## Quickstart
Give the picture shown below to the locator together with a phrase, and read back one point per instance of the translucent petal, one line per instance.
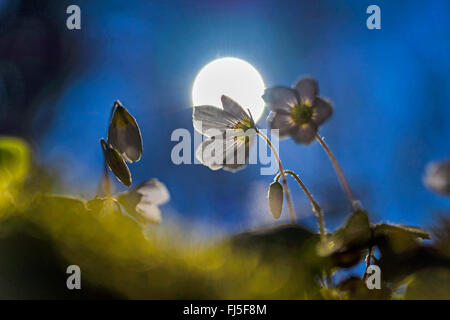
(280, 99)
(234, 108)
(307, 89)
(149, 212)
(282, 122)
(153, 191)
(322, 110)
(305, 133)
(208, 117)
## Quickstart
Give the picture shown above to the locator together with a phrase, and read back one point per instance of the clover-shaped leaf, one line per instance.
(390, 229)
(355, 233)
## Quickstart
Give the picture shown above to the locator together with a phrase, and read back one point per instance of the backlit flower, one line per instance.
(142, 201)
(298, 111)
(230, 131)
(437, 177)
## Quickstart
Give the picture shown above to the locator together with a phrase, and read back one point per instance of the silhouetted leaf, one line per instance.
(388, 229)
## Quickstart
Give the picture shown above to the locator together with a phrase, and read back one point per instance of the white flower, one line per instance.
(230, 131)
(142, 201)
(437, 177)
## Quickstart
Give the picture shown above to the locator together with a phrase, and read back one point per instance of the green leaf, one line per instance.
(390, 229)
(14, 160)
(351, 238)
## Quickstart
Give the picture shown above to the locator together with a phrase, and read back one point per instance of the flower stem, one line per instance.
(283, 177)
(315, 206)
(340, 174)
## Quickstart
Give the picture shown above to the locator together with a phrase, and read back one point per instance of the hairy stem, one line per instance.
(283, 177)
(315, 206)
(340, 174)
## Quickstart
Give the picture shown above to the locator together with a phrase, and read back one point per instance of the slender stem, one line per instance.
(340, 174)
(283, 177)
(106, 183)
(315, 206)
(368, 258)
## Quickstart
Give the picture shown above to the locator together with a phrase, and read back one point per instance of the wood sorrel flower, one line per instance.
(124, 134)
(437, 177)
(142, 201)
(230, 131)
(297, 112)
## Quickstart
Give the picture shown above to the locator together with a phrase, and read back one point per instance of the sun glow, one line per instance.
(233, 77)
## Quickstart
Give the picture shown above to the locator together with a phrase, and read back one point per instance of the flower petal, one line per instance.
(226, 152)
(282, 122)
(307, 89)
(234, 108)
(437, 177)
(208, 117)
(280, 98)
(305, 133)
(149, 212)
(236, 157)
(206, 157)
(322, 110)
(116, 163)
(153, 191)
(124, 134)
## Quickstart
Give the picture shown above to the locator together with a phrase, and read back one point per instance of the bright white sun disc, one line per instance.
(233, 77)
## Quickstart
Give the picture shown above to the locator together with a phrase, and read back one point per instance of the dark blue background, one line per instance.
(389, 87)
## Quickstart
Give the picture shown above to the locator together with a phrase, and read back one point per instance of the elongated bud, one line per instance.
(116, 163)
(275, 196)
(124, 134)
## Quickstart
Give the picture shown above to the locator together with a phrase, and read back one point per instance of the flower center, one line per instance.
(243, 125)
(301, 114)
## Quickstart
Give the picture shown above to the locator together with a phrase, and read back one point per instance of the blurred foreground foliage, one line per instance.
(41, 234)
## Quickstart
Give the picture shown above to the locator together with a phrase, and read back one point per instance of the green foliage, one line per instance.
(14, 161)
(121, 258)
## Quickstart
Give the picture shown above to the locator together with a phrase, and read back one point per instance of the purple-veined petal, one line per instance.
(307, 89)
(322, 110)
(206, 118)
(304, 133)
(280, 98)
(231, 106)
(282, 122)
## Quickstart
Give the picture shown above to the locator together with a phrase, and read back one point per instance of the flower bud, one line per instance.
(116, 163)
(124, 134)
(275, 196)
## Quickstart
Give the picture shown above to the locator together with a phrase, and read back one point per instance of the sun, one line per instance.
(233, 77)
